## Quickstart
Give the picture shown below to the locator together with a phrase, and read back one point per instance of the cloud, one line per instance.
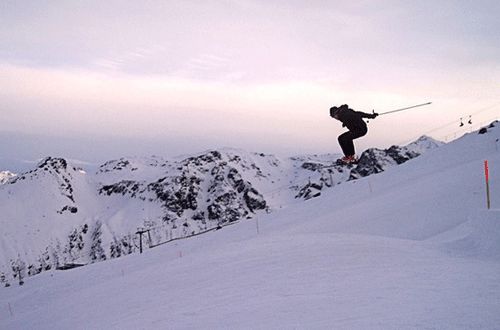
(76, 107)
(247, 68)
(77, 101)
(128, 59)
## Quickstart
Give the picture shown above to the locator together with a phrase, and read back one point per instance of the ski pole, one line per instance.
(402, 109)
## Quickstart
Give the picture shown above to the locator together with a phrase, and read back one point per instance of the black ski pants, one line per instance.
(345, 140)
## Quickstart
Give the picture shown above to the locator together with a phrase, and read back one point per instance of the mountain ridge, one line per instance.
(82, 217)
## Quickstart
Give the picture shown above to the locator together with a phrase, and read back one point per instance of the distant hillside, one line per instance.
(59, 214)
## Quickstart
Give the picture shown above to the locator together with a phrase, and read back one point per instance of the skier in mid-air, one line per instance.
(354, 122)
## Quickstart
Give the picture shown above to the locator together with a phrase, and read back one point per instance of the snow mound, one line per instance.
(479, 237)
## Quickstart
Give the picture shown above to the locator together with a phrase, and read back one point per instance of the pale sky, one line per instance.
(101, 79)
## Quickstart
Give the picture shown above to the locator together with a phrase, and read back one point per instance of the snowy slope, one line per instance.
(410, 248)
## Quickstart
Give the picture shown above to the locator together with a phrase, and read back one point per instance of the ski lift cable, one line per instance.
(454, 122)
(485, 109)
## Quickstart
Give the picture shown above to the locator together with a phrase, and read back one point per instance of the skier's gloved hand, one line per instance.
(374, 115)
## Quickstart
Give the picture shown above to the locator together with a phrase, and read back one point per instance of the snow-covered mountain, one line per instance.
(371, 161)
(59, 214)
(408, 248)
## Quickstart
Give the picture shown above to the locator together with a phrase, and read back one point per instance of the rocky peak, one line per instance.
(377, 160)
(57, 168)
(210, 157)
(56, 164)
(131, 164)
(205, 188)
(371, 161)
(484, 130)
(423, 144)
(5, 176)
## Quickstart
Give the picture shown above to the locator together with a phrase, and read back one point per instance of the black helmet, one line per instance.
(335, 110)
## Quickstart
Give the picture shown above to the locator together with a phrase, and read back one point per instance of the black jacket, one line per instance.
(353, 120)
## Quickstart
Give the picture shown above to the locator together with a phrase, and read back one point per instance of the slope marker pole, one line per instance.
(487, 177)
